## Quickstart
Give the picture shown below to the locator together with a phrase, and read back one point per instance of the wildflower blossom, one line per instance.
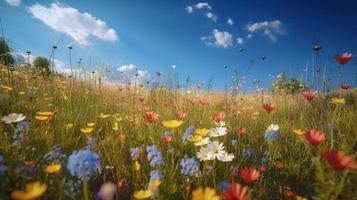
(13, 118)
(204, 154)
(107, 191)
(190, 167)
(236, 191)
(167, 137)
(344, 58)
(216, 149)
(135, 153)
(310, 95)
(339, 161)
(314, 137)
(83, 163)
(271, 133)
(218, 131)
(202, 142)
(298, 132)
(248, 152)
(223, 185)
(249, 175)
(225, 157)
(337, 101)
(172, 124)
(345, 86)
(219, 116)
(188, 134)
(205, 194)
(32, 191)
(154, 156)
(142, 194)
(268, 107)
(3, 168)
(202, 132)
(53, 168)
(241, 131)
(151, 116)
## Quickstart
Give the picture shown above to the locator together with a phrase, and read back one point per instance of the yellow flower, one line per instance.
(116, 126)
(32, 191)
(298, 132)
(202, 132)
(22, 93)
(48, 114)
(118, 119)
(69, 126)
(103, 116)
(300, 198)
(155, 184)
(142, 194)
(53, 168)
(90, 124)
(172, 124)
(41, 118)
(205, 194)
(137, 166)
(7, 89)
(86, 130)
(337, 101)
(196, 138)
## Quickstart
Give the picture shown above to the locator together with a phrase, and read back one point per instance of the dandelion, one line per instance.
(205, 194)
(13, 118)
(32, 191)
(236, 191)
(83, 163)
(268, 107)
(249, 175)
(142, 194)
(107, 191)
(190, 167)
(87, 130)
(339, 161)
(314, 137)
(337, 101)
(51, 169)
(172, 124)
(154, 156)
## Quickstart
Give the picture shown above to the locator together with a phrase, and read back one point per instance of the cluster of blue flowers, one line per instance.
(248, 152)
(3, 168)
(83, 163)
(188, 134)
(135, 153)
(223, 185)
(19, 133)
(190, 167)
(56, 155)
(154, 156)
(271, 135)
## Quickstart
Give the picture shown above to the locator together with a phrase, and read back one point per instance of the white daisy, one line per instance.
(13, 117)
(273, 127)
(203, 142)
(216, 149)
(218, 131)
(204, 154)
(226, 157)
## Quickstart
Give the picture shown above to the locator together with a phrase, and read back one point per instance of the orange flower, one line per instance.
(180, 115)
(236, 192)
(339, 161)
(268, 107)
(241, 131)
(250, 175)
(217, 117)
(314, 137)
(310, 95)
(150, 116)
(344, 58)
(141, 98)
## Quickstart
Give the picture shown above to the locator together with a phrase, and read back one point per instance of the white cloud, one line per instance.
(230, 21)
(269, 28)
(131, 73)
(240, 40)
(203, 5)
(211, 16)
(249, 36)
(79, 26)
(218, 39)
(189, 9)
(13, 2)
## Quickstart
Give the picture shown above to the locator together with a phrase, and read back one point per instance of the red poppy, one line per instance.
(236, 191)
(167, 139)
(180, 115)
(241, 131)
(310, 95)
(345, 86)
(344, 58)
(150, 116)
(268, 107)
(250, 175)
(141, 98)
(217, 117)
(314, 137)
(339, 161)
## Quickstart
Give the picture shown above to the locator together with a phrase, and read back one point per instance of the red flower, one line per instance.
(344, 58)
(241, 131)
(218, 116)
(150, 116)
(180, 115)
(250, 175)
(345, 86)
(141, 98)
(314, 137)
(167, 139)
(236, 191)
(339, 161)
(268, 107)
(309, 95)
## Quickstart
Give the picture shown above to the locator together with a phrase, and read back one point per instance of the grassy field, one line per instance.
(82, 140)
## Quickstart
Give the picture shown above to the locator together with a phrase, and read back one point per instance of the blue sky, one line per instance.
(154, 35)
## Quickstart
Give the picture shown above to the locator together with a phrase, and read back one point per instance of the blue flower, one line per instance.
(154, 156)
(223, 185)
(23, 127)
(248, 152)
(264, 160)
(135, 153)
(188, 134)
(190, 167)
(56, 155)
(83, 163)
(156, 175)
(3, 168)
(271, 135)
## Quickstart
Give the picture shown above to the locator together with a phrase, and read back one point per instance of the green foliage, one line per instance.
(5, 50)
(291, 85)
(42, 64)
